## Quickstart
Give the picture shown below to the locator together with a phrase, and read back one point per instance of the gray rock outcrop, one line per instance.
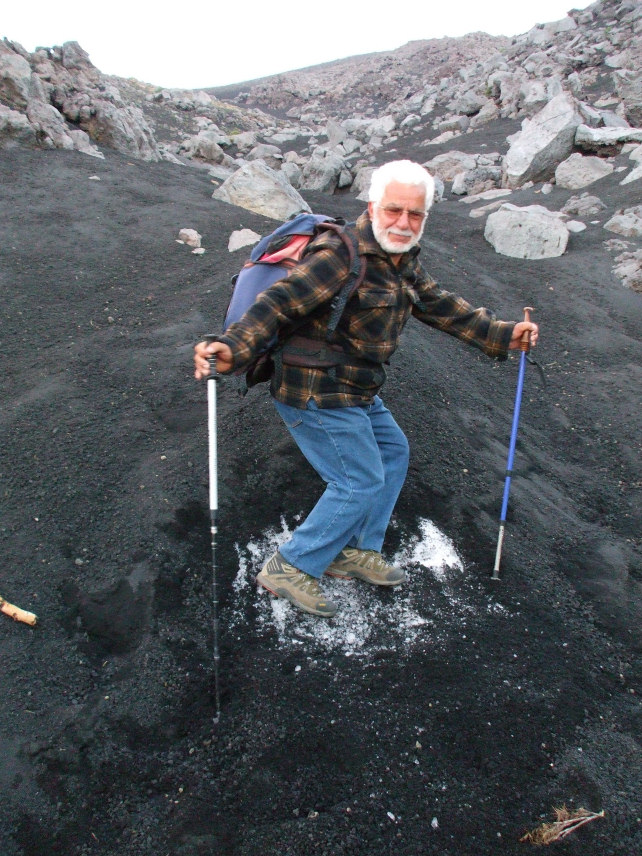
(67, 103)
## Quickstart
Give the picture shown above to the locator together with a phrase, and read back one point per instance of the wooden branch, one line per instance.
(566, 823)
(16, 613)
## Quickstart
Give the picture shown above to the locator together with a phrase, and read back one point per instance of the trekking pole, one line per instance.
(213, 484)
(524, 347)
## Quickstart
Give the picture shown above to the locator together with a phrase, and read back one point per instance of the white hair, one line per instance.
(404, 172)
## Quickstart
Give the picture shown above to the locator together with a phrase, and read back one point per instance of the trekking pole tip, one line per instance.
(498, 552)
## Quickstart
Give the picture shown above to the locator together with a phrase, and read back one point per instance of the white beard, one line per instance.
(381, 234)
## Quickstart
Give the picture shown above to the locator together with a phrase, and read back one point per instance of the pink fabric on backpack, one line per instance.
(292, 250)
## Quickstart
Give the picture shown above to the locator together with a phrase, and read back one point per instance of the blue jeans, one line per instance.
(362, 455)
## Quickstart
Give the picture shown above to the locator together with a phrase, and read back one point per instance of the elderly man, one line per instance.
(336, 417)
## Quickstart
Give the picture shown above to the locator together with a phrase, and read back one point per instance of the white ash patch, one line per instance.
(431, 549)
(370, 619)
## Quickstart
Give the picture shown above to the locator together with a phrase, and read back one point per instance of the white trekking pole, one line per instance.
(213, 485)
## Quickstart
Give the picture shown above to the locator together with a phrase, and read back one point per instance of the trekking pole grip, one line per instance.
(525, 343)
(209, 338)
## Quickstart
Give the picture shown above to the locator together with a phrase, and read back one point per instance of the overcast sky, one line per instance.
(198, 45)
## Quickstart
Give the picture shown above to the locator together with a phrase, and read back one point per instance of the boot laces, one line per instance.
(369, 558)
(301, 580)
(308, 584)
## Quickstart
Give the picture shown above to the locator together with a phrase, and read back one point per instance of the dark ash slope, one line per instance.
(517, 696)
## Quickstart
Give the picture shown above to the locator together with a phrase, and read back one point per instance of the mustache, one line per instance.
(402, 233)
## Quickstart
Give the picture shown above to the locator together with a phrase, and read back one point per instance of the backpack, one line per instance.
(272, 259)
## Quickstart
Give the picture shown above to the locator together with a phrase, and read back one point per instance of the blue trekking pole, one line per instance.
(213, 479)
(524, 347)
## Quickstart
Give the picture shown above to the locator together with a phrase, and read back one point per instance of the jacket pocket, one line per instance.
(375, 319)
(373, 299)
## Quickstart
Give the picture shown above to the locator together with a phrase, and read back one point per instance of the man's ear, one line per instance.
(371, 209)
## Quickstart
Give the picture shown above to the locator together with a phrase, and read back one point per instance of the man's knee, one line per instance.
(370, 484)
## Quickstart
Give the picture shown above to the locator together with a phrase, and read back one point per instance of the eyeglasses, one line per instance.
(395, 211)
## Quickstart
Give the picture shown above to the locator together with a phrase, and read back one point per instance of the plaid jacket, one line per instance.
(370, 326)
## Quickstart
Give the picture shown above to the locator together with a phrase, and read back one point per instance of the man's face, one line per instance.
(398, 220)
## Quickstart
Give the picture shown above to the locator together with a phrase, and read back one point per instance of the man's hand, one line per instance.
(204, 350)
(524, 327)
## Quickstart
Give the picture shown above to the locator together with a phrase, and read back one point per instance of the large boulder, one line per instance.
(73, 57)
(583, 205)
(544, 141)
(335, 133)
(269, 154)
(505, 85)
(634, 175)
(15, 79)
(636, 154)
(609, 137)
(53, 132)
(626, 222)
(477, 180)
(15, 129)
(532, 232)
(322, 171)
(245, 140)
(205, 146)
(449, 164)
(543, 34)
(382, 127)
(579, 171)
(120, 127)
(361, 183)
(629, 87)
(629, 269)
(265, 191)
(82, 143)
(469, 103)
(488, 113)
(292, 171)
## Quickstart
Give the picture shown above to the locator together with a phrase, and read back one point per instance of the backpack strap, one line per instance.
(314, 353)
(356, 274)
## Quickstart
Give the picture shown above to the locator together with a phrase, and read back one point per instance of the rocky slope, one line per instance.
(573, 85)
(447, 84)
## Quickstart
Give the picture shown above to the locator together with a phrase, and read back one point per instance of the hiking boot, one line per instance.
(365, 565)
(302, 590)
